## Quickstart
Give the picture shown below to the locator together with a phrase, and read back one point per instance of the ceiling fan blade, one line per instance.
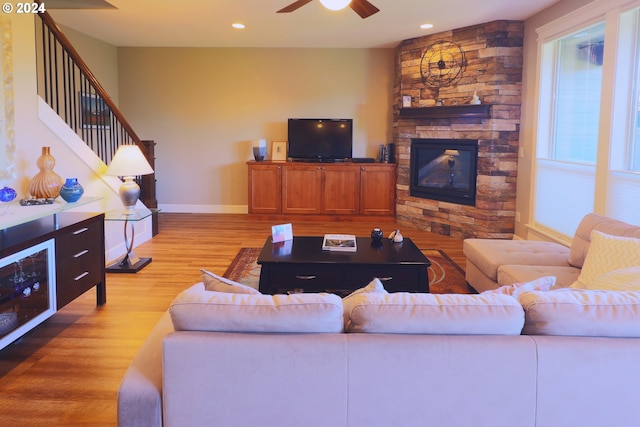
(363, 8)
(293, 6)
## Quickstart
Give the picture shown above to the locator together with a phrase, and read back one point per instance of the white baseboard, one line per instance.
(230, 209)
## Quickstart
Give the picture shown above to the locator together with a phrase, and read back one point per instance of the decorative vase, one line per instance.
(71, 191)
(46, 184)
(259, 149)
(376, 235)
(7, 194)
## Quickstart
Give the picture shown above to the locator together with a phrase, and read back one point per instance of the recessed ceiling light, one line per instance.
(237, 25)
(426, 26)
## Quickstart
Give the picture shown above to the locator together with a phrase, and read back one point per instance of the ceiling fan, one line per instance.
(361, 7)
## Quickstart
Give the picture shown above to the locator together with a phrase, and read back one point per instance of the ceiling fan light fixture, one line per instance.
(335, 4)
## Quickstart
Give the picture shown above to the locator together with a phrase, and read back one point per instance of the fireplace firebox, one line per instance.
(444, 169)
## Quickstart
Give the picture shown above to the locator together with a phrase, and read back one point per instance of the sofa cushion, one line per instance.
(197, 309)
(582, 238)
(565, 275)
(419, 313)
(515, 289)
(213, 282)
(581, 313)
(607, 253)
(489, 254)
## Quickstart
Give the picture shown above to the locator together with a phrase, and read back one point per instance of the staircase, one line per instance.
(67, 85)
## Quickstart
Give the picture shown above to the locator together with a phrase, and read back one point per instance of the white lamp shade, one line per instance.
(335, 4)
(129, 161)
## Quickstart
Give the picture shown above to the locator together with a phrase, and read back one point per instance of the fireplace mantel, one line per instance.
(482, 111)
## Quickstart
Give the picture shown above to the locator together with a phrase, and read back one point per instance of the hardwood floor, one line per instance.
(67, 371)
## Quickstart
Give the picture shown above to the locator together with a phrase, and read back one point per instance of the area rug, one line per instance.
(445, 276)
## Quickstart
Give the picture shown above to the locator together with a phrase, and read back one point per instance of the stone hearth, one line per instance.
(493, 70)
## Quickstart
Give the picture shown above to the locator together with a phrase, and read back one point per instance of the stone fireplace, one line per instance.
(493, 70)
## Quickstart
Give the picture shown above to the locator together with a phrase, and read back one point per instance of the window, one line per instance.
(568, 128)
(588, 131)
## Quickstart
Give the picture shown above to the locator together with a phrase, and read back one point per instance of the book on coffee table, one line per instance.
(339, 243)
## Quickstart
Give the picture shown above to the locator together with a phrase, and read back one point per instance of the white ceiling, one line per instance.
(207, 23)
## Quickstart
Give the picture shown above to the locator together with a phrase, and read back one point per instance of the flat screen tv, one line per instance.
(320, 140)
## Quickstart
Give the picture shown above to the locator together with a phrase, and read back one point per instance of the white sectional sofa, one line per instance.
(379, 359)
(492, 263)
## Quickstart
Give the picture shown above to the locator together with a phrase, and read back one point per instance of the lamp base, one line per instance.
(129, 194)
(127, 265)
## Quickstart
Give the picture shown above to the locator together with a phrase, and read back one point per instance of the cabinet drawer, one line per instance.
(394, 278)
(309, 277)
(78, 273)
(78, 238)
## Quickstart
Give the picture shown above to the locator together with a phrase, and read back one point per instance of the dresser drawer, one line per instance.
(79, 238)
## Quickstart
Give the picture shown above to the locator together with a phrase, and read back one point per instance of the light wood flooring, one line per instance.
(67, 371)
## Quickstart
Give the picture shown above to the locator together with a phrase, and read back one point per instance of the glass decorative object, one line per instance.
(71, 191)
(376, 234)
(46, 183)
(7, 194)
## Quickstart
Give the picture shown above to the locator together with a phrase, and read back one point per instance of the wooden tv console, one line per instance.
(343, 188)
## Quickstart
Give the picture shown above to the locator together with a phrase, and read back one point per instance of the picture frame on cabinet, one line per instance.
(279, 151)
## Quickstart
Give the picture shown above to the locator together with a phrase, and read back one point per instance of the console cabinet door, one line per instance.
(378, 189)
(302, 189)
(265, 188)
(340, 190)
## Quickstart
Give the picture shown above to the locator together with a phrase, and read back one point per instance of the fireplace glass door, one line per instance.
(444, 170)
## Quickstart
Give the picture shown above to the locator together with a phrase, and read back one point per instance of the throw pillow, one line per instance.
(607, 253)
(578, 312)
(623, 279)
(421, 313)
(197, 309)
(213, 282)
(374, 287)
(515, 289)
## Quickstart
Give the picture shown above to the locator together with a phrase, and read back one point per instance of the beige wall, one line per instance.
(100, 57)
(204, 106)
(529, 97)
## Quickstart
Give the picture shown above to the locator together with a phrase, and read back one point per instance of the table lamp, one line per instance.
(128, 163)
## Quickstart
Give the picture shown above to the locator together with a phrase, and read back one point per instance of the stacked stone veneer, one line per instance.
(494, 71)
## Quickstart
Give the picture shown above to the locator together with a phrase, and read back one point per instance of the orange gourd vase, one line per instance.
(46, 184)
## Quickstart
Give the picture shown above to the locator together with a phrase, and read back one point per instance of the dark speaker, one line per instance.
(391, 152)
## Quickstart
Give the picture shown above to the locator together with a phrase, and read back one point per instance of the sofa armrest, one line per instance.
(140, 393)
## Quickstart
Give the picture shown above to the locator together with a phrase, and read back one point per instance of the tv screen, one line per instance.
(320, 139)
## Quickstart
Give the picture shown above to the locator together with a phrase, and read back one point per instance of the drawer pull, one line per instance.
(385, 279)
(306, 277)
(80, 231)
(79, 254)
(86, 273)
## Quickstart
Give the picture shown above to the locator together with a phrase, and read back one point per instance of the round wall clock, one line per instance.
(442, 63)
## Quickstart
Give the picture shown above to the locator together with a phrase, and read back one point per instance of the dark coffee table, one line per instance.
(300, 265)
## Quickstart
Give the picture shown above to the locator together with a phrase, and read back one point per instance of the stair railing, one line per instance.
(69, 87)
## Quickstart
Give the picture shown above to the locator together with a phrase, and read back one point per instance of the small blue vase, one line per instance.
(71, 191)
(7, 194)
